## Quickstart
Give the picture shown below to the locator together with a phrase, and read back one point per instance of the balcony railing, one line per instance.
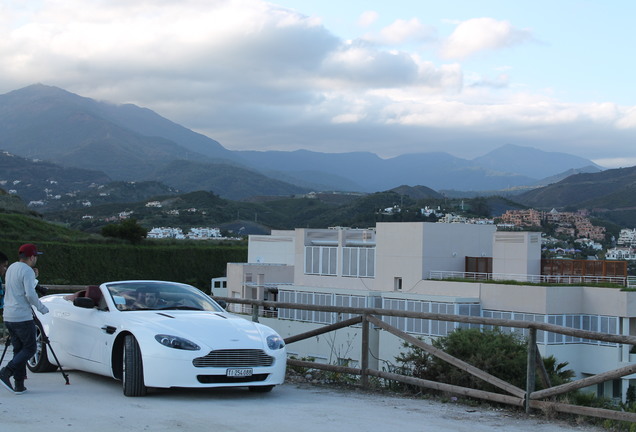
(537, 279)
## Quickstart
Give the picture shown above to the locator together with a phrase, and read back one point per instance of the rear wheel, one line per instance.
(40, 360)
(133, 368)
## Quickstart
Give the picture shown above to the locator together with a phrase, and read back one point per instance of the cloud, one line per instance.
(482, 34)
(360, 65)
(367, 18)
(499, 82)
(616, 162)
(406, 31)
(254, 75)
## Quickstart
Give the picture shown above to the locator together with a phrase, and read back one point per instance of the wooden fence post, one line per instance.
(532, 366)
(364, 358)
(255, 309)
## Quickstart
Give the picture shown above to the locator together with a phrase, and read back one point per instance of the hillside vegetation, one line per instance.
(31, 229)
(609, 195)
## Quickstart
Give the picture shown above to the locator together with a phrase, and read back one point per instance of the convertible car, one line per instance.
(156, 334)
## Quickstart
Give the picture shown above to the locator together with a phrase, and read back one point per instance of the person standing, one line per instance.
(20, 296)
(4, 263)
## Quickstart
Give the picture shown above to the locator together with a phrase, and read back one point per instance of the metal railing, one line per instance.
(538, 279)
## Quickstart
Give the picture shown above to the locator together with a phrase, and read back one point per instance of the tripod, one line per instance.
(45, 342)
(7, 342)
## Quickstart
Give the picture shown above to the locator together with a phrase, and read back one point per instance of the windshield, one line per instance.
(155, 295)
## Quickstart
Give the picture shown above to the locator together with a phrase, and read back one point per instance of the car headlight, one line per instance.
(176, 342)
(275, 342)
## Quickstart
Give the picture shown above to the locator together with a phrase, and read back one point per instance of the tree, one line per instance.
(129, 230)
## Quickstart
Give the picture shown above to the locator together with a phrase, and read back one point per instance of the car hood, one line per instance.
(215, 329)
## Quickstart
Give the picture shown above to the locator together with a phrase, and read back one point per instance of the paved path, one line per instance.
(96, 404)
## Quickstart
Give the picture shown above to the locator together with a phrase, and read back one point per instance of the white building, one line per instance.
(391, 266)
(627, 237)
(204, 233)
(621, 253)
(165, 233)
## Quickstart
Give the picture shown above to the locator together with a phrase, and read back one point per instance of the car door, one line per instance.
(84, 336)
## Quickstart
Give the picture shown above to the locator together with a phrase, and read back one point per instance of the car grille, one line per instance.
(234, 358)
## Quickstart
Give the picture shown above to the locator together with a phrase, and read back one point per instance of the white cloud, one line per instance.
(368, 18)
(628, 119)
(482, 34)
(406, 31)
(255, 75)
(616, 162)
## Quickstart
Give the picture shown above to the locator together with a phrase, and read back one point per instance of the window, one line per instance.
(358, 262)
(321, 260)
(397, 284)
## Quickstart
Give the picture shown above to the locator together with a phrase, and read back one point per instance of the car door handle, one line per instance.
(109, 329)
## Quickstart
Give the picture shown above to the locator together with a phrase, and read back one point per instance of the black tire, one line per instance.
(261, 389)
(132, 376)
(40, 360)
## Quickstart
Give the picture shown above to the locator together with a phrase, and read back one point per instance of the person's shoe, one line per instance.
(19, 387)
(5, 379)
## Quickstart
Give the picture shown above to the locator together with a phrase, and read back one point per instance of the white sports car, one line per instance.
(157, 334)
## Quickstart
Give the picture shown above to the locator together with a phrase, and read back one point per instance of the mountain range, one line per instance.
(131, 143)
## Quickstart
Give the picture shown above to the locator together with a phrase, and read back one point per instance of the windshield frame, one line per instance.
(126, 297)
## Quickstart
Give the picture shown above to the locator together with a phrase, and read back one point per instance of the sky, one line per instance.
(388, 77)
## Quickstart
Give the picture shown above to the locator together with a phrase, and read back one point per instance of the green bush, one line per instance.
(129, 230)
(503, 355)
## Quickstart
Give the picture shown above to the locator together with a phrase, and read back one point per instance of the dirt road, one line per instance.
(96, 403)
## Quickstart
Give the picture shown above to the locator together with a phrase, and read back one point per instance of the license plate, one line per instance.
(238, 373)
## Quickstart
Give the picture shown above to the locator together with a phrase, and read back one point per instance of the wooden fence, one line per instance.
(527, 398)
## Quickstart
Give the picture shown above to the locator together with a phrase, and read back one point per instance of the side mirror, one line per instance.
(222, 303)
(84, 302)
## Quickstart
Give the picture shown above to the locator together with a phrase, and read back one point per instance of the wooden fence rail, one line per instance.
(528, 398)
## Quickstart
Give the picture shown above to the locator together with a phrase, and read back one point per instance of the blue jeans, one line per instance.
(24, 346)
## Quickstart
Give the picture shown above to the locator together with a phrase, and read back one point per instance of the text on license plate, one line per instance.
(239, 372)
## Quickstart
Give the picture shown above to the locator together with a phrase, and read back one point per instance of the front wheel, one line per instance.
(40, 360)
(133, 368)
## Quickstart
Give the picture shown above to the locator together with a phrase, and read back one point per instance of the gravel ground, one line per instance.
(96, 403)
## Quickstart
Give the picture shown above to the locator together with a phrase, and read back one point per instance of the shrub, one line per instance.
(129, 230)
(501, 354)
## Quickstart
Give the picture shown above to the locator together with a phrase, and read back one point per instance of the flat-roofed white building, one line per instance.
(399, 266)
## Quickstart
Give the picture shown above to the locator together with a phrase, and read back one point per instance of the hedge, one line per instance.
(194, 263)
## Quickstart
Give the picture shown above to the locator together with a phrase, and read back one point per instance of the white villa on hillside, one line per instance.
(399, 266)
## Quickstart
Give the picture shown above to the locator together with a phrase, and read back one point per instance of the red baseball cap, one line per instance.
(29, 250)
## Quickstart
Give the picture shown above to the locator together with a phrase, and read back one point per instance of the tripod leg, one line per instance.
(47, 343)
(7, 342)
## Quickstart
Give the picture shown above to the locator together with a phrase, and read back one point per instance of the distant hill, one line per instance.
(611, 189)
(12, 203)
(531, 162)
(131, 143)
(123, 141)
(609, 194)
(35, 180)
(227, 181)
(208, 209)
(371, 173)
(109, 193)
(29, 228)
(417, 192)
(590, 169)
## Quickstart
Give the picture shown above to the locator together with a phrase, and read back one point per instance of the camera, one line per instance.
(42, 290)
